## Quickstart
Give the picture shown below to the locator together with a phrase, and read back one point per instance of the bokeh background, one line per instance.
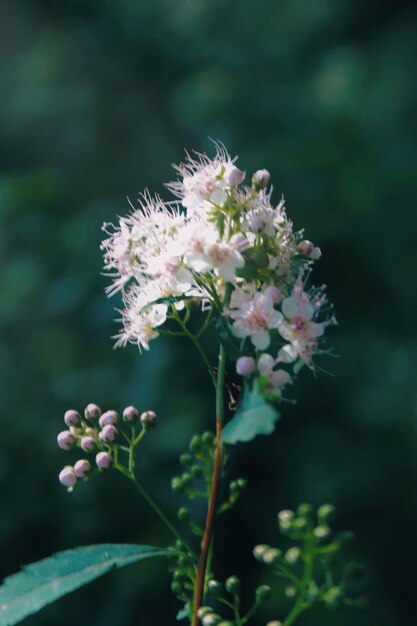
(97, 99)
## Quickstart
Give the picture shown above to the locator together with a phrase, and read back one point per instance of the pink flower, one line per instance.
(254, 315)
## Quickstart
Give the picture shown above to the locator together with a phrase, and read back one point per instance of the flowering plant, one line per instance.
(222, 252)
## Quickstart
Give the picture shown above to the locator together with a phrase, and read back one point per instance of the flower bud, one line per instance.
(89, 432)
(184, 514)
(65, 440)
(103, 460)
(68, 477)
(87, 444)
(195, 444)
(305, 510)
(275, 622)
(214, 587)
(262, 594)
(285, 518)
(273, 293)
(235, 176)
(271, 556)
(196, 471)
(211, 619)
(321, 532)
(108, 418)
(108, 433)
(176, 587)
(259, 551)
(92, 411)
(261, 178)
(204, 610)
(176, 484)
(292, 555)
(186, 459)
(226, 623)
(290, 591)
(207, 439)
(232, 584)
(130, 413)
(325, 513)
(71, 418)
(245, 365)
(82, 467)
(256, 223)
(309, 250)
(148, 419)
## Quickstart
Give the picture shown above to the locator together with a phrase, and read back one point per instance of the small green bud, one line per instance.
(275, 622)
(242, 482)
(271, 556)
(179, 545)
(262, 594)
(332, 597)
(305, 510)
(195, 444)
(290, 591)
(204, 610)
(321, 532)
(214, 587)
(184, 514)
(208, 439)
(325, 514)
(285, 519)
(226, 623)
(176, 484)
(178, 575)
(186, 479)
(292, 555)
(183, 561)
(259, 551)
(176, 587)
(233, 584)
(196, 471)
(300, 524)
(211, 619)
(186, 459)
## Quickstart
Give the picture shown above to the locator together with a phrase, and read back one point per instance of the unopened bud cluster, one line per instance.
(315, 550)
(96, 433)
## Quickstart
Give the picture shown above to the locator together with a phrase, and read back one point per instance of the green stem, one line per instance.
(301, 604)
(197, 344)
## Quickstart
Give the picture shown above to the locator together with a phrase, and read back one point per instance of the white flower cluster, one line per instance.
(226, 245)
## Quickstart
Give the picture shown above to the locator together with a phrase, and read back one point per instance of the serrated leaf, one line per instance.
(254, 416)
(43, 582)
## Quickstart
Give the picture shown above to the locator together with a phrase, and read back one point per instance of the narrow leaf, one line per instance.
(254, 416)
(43, 582)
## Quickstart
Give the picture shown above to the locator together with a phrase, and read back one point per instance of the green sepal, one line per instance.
(254, 416)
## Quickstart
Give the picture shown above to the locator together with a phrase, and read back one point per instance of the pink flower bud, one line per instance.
(87, 444)
(273, 293)
(71, 418)
(308, 249)
(89, 432)
(109, 417)
(256, 223)
(108, 433)
(92, 411)
(245, 366)
(103, 460)
(235, 176)
(261, 178)
(130, 413)
(65, 440)
(81, 468)
(68, 477)
(148, 419)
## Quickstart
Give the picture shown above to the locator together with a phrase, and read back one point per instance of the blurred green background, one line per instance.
(97, 99)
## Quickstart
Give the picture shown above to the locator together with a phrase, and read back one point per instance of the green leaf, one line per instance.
(254, 416)
(45, 581)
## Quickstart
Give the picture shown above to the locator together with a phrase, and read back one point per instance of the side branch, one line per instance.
(208, 531)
